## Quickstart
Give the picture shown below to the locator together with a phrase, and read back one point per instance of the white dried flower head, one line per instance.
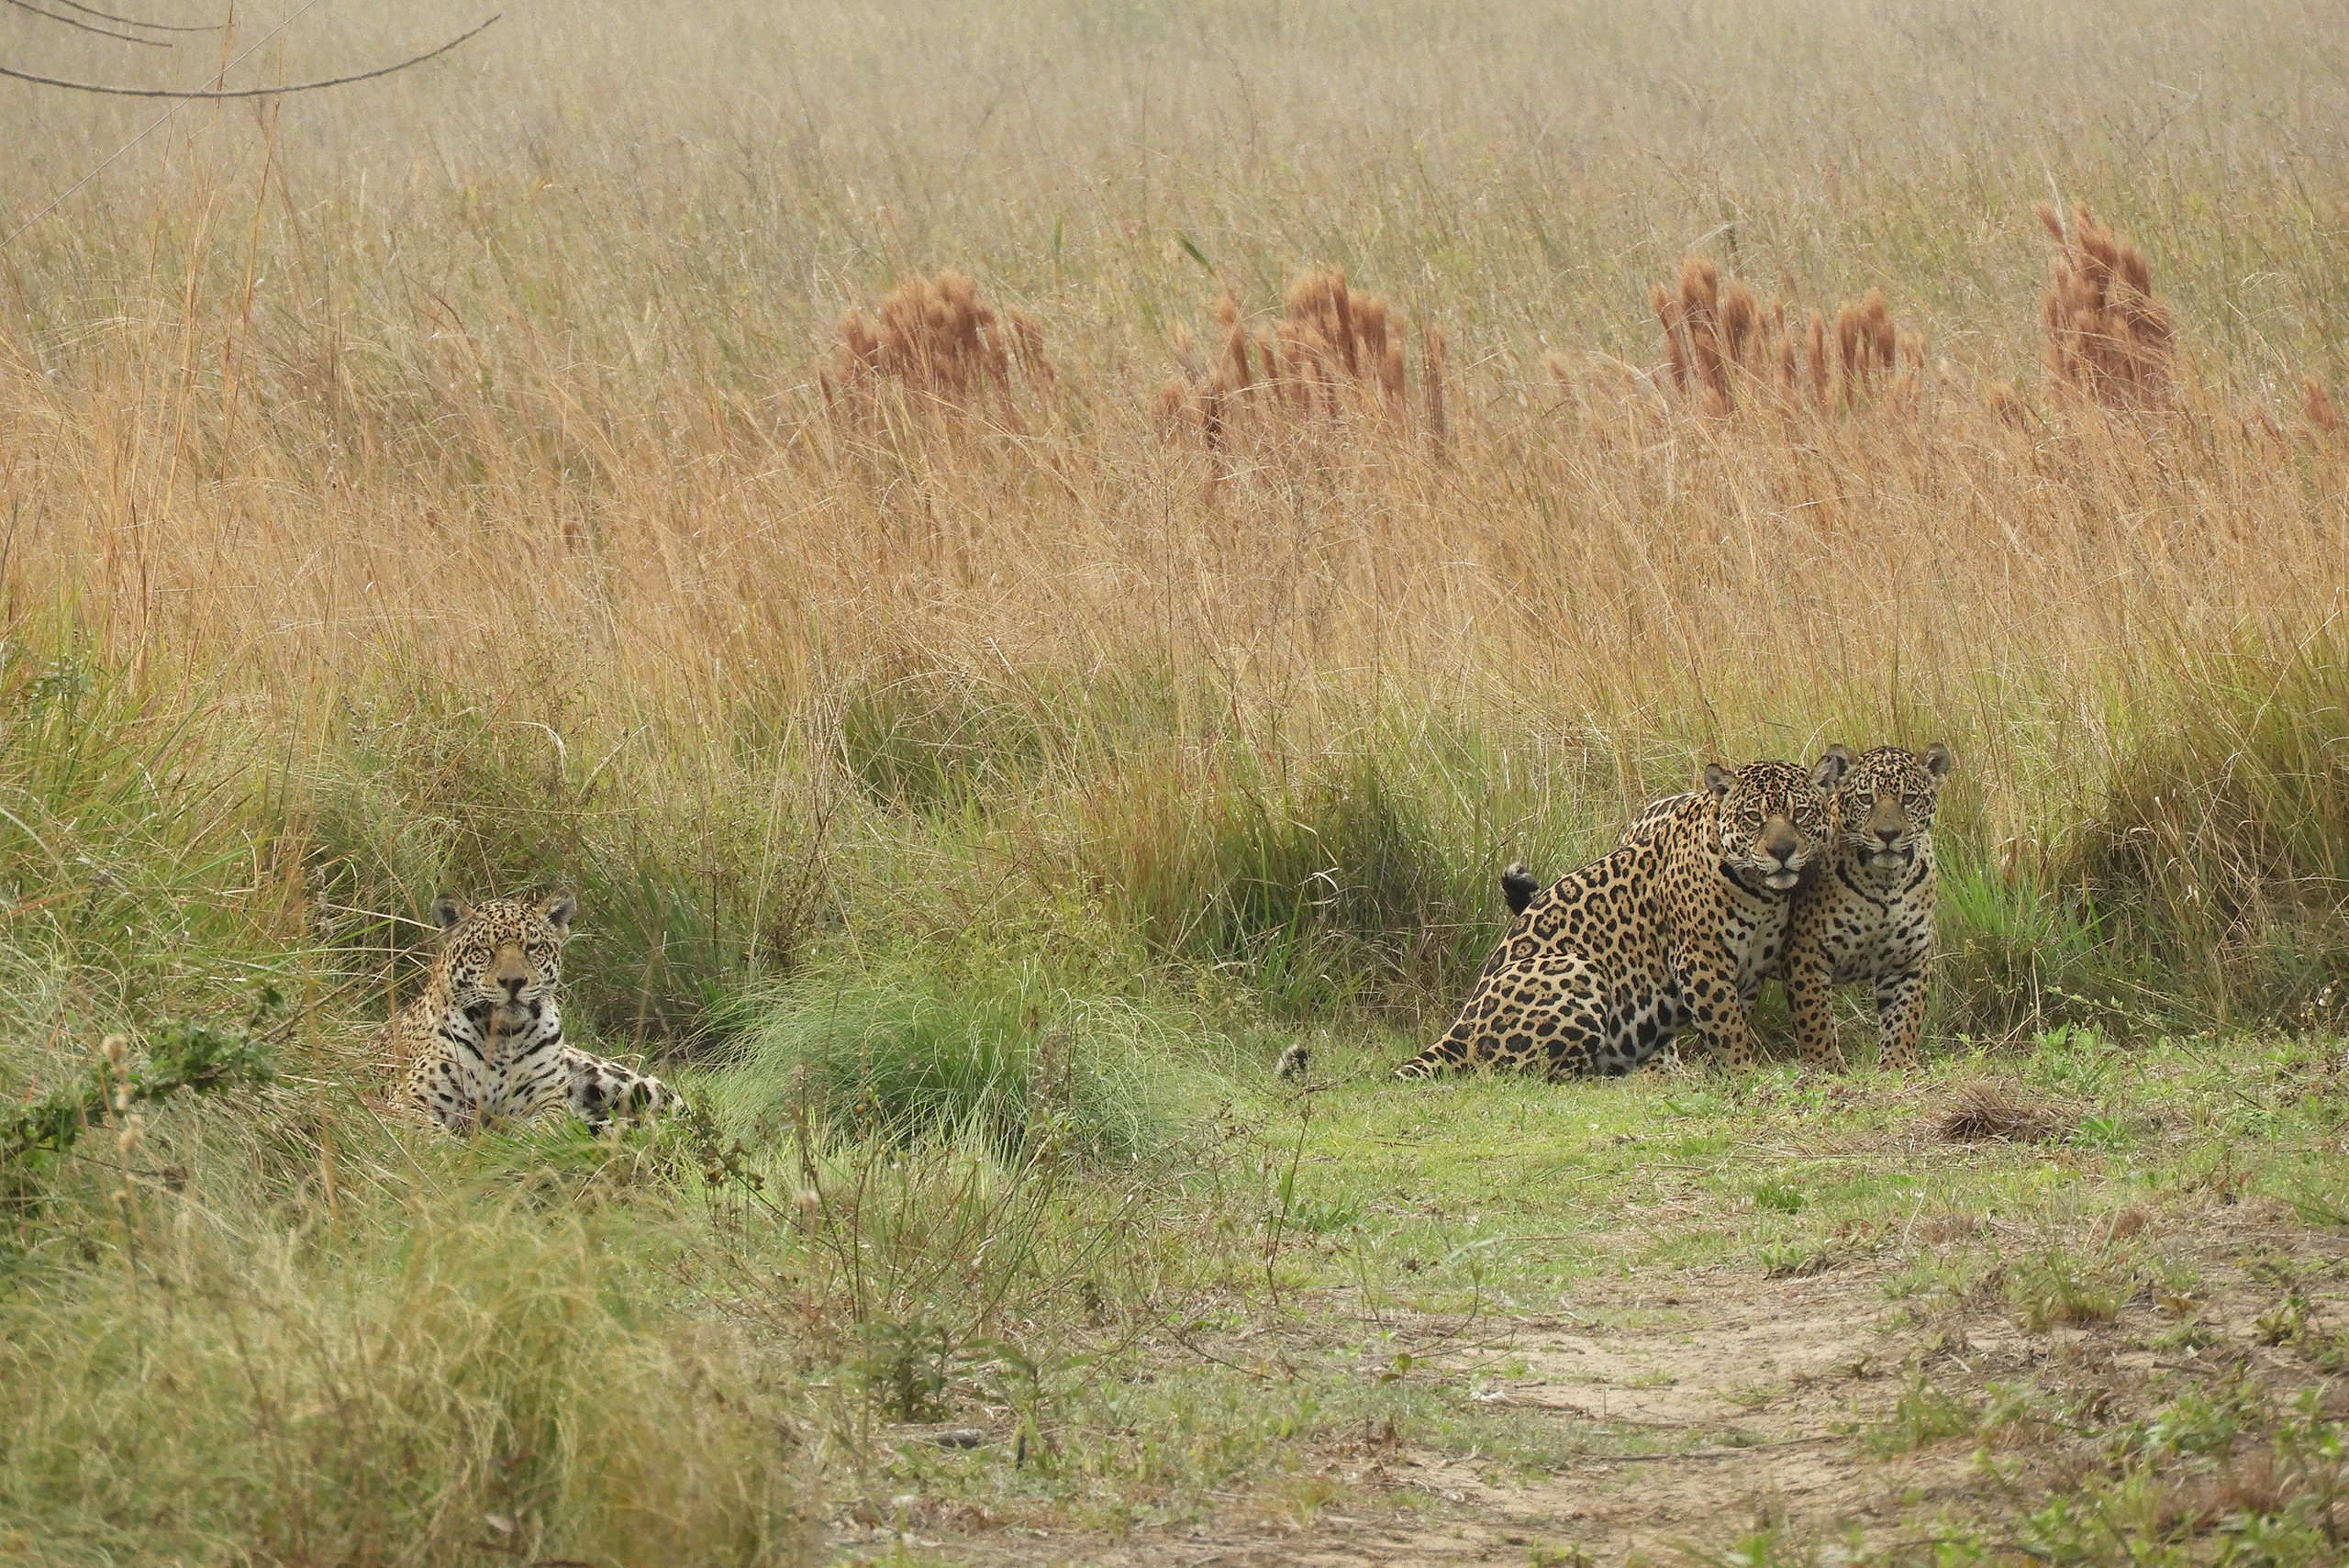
(134, 1131)
(115, 1049)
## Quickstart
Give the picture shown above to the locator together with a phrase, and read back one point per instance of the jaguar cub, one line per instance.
(1868, 917)
(1602, 970)
(484, 1043)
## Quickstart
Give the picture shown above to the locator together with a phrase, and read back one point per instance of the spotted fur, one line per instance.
(1604, 968)
(1868, 917)
(484, 1043)
(1758, 950)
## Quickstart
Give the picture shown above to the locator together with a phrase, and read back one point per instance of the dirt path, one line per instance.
(1723, 1403)
(1748, 1392)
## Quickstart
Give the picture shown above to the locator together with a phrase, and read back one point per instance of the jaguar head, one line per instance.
(502, 959)
(1885, 804)
(1775, 819)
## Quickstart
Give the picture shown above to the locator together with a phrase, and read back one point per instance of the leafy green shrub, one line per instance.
(197, 1057)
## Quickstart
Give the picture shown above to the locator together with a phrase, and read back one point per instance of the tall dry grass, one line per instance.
(465, 438)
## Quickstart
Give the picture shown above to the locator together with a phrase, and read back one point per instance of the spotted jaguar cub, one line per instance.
(484, 1043)
(1868, 917)
(1605, 967)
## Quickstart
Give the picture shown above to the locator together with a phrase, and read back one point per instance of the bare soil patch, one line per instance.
(1715, 1403)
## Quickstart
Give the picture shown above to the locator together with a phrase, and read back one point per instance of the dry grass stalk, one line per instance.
(1725, 348)
(1989, 1112)
(1332, 352)
(2319, 404)
(1438, 358)
(2007, 404)
(942, 343)
(2108, 337)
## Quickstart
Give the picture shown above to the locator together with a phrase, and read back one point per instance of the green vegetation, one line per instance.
(985, 739)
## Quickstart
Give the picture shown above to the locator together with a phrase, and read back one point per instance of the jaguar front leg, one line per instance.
(1900, 1019)
(1810, 985)
(1716, 1009)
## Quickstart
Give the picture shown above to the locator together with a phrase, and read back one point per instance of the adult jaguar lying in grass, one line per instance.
(484, 1043)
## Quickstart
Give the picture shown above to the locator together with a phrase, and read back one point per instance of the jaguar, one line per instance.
(483, 1043)
(1605, 967)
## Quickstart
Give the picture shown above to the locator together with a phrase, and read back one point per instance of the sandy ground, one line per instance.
(1749, 1399)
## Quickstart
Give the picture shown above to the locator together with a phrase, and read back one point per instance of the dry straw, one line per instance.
(1331, 355)
(2318, 404)
(1724, 347)
(1988, 1112)
(942, 344)
(2107, 337)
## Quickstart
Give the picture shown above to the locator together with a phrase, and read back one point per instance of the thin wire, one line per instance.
(132, 21)
(14, 233)
(275, 90)
(102, 32)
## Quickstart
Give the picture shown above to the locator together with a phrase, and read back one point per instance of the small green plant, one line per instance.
(1798, 1259)
(190, 1057)
(1778, 1198)
(2103, 1132)
(1922, 1415)
(2284, 1323)
(908, 1366)
(1772, 1547)
(2055, 1289)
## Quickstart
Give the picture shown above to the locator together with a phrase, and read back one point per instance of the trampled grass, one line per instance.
(1022, 560)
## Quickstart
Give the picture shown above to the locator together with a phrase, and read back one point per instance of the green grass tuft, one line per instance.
(998, 1051)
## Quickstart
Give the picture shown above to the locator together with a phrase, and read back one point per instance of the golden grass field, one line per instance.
(510, 474)
(301, 391)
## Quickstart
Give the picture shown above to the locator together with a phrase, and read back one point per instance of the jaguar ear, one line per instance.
(1937, 760)
(1718, 779)
(559, 910)
(447, 911)
(1833, 766)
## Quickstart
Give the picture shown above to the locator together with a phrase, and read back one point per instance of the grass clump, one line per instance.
(937, 741)
(1329, 889)
(2107, 337)
(452, 1370)
(2222, 845)
(998, 1051)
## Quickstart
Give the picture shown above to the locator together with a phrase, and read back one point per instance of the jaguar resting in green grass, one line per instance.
(484, 1043)
(1606, 966)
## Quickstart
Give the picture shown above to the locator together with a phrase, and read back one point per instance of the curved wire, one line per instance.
(270, 92)
(102, 32)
